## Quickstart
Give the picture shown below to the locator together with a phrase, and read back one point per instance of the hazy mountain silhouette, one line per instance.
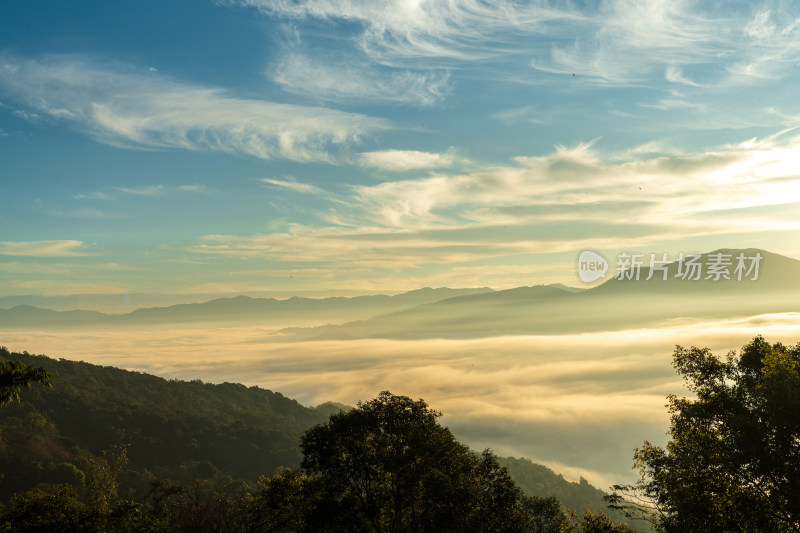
(239, 309)
(775, 273)
(618, 303)
(29, 316)
(615, 304)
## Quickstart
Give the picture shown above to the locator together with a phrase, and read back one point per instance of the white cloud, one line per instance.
(336, 80)
(621, 41)
(97, 195)
(402, 160)
(295, 186)
(145, 190)
(573, 198)
(771, 48)
(63, 248)
(133, 110)
(676, 75)
(408, 30)
(759, 172)
(528, 113)
(195, 188)
(400, 51)
(85, 213)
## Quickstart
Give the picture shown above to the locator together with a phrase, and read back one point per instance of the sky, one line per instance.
(342, 146)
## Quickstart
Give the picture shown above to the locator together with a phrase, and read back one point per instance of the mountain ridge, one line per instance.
(614, 305)
(237, 308)
(474, 312)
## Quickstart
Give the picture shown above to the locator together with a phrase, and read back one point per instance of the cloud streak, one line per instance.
(403, 160)
(303, 188)
(63, 248)
(334, 80)
(145, 190)
(129, 109)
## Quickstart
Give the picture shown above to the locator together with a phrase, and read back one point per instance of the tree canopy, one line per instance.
(389, 466)
(733, 461)
(15, 376)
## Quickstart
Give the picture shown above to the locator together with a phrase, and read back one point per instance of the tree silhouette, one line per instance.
(14, 376)
(388, 466)
(733, 463)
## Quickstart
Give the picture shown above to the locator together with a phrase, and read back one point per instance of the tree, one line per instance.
(37, 511)
(591, 522)
(733, 461)
(546, 515)
(388, 466)
(14, 377)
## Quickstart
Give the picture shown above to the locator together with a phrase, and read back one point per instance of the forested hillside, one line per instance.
(538, 480)
(175, 430)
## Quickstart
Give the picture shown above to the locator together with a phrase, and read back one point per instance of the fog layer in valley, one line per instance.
(578, 403)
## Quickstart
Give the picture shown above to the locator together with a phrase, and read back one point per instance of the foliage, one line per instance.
(388, 466)
(175, 430)
(38, 511)
(591, 522)
(178, 508)
(733, 463)
(545, 515)
(15, 376)
(290, 501)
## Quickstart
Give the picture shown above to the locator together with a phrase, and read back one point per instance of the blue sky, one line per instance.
(327, 146)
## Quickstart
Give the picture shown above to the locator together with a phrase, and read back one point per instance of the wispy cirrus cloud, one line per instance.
(131, 109)
(296, 186)
(393, 32)
(96, 195)
(614, 42)
(61, 248)
(335, 80)
(402, 160)
(144, 190)
(194, 188)
(676, 75)
(86, 213)
(399, 52)
(630, 42)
